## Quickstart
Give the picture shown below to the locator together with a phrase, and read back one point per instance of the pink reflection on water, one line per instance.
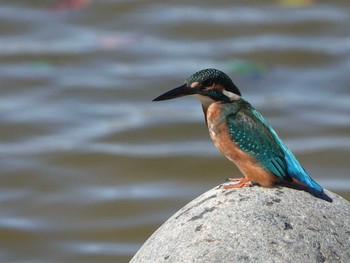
(71, 5)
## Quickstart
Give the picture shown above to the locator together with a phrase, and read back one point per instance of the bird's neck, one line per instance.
(206, 104)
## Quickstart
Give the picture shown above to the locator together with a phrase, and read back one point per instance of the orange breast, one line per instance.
(222, 140)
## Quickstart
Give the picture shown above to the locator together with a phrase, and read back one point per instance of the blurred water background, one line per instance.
(90, 167)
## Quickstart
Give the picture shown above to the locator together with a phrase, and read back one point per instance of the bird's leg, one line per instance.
(238, 183)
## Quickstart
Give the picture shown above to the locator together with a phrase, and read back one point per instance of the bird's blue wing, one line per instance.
(253, 136)
(251, 132)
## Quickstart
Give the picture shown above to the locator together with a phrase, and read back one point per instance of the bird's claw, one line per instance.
(236, 183)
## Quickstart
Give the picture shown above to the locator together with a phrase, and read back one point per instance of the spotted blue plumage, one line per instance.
(253, 135)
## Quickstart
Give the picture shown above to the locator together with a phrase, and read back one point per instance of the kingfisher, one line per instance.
(243, 135)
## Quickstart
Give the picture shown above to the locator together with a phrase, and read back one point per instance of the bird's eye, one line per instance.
(207, 83)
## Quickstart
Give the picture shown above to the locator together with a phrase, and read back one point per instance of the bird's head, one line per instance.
(209, 85)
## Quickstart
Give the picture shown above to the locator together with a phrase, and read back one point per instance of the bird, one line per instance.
(243, 135)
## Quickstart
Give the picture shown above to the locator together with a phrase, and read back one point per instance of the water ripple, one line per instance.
(102, 248)
(241, 15)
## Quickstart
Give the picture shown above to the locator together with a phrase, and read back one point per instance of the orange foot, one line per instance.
(238, 183)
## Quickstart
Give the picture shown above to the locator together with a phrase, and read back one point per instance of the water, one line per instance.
(90, 167)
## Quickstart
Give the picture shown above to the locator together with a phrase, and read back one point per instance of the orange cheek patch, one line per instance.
(214, 86)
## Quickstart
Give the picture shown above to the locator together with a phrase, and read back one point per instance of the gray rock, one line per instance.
(253, 225)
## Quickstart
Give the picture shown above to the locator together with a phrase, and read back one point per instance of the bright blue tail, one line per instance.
(296, 171)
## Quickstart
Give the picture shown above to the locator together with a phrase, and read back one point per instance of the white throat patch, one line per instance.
(206, 101)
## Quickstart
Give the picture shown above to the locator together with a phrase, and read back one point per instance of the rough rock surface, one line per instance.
(253, 225)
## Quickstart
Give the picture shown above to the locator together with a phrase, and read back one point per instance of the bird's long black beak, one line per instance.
(175, 93)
